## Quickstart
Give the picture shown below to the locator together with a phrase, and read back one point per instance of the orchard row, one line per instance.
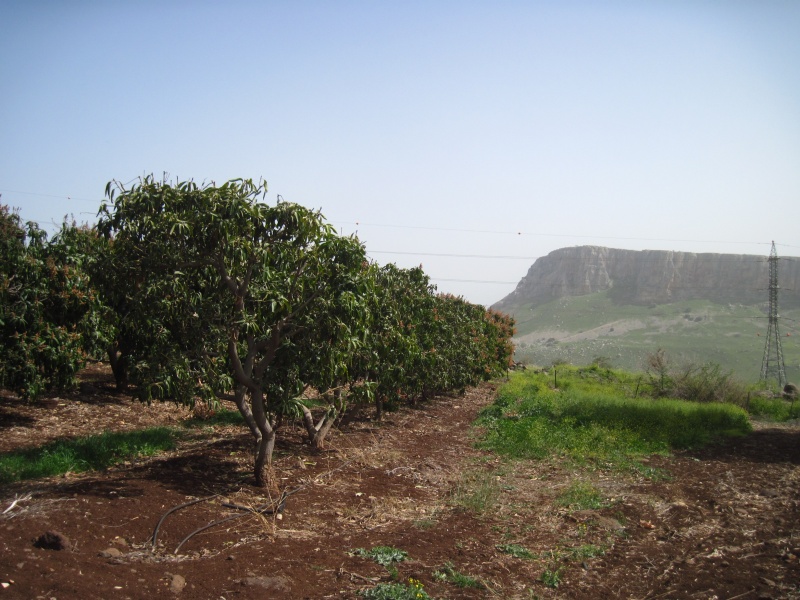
(198, 293)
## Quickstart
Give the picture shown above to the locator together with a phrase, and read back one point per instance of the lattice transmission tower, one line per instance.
(772, 366)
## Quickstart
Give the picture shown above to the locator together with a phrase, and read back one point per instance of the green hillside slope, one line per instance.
(578, 329)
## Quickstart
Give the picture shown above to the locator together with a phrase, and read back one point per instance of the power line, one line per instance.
(61, 197)
(723, 257)
(539, 234)
(473, 281)
(451, 255)
(458, 230)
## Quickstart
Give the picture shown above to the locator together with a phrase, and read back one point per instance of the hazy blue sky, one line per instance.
(469, 129)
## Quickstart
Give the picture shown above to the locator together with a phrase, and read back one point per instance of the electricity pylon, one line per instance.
(772, 366)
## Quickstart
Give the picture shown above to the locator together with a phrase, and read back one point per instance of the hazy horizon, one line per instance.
(467, 137)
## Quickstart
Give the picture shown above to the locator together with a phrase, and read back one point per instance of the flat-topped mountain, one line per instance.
(645, 277)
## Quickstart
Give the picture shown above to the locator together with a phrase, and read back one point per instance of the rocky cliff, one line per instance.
(654, 277)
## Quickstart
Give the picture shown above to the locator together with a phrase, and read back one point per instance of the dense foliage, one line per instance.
(48, 306)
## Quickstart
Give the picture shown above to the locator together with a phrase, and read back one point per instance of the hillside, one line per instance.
(653, 277)
(580, 303)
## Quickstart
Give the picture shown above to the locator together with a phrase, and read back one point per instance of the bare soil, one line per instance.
(723, 525)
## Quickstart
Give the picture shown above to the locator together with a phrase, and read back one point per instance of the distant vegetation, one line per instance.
(579, 328)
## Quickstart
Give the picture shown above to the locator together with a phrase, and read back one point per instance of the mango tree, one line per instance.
(230, 294)
(48, 308)
(403, 299)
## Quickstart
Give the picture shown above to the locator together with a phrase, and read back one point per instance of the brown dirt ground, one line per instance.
(724, 525)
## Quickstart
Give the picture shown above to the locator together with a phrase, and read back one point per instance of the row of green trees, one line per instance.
(199, 293)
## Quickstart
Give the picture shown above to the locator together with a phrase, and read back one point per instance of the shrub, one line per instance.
(698, 383)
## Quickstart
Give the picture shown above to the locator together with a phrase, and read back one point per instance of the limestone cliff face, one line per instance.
(654, 277)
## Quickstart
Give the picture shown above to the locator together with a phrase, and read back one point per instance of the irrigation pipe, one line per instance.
(154, 537)
(261, 510)
(264, 509)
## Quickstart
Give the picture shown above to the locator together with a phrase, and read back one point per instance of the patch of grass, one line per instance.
(774, 409)
(449, 574)
(583, 552)
(426, 522)
(595, 422)
(515, 550)
(586, 551)
(581, 495)
(414, 590)
(476, 491)
(84, 453)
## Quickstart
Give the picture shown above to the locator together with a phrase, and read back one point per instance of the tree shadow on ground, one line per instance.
(776, 445)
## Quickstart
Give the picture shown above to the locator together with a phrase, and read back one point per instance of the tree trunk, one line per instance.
(240, 399)
(264, 473)
(317, 432)
(117, 361)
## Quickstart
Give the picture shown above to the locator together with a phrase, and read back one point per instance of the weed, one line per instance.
(383, 555)
(586, 551)
(476, 491)
(425, 523)
(448, 573)
(515, 550)
(551, 578)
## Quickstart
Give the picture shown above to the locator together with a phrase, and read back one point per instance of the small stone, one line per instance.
(111, 553)
(177, 584)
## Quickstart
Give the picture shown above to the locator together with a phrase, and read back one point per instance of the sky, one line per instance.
(468, 137)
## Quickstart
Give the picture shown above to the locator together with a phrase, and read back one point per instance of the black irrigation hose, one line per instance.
(261, 510)
(154, 537)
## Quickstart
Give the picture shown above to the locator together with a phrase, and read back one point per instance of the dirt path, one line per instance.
(724, 525)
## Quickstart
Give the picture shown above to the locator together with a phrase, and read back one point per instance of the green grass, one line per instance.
(593, 421)
(84, 453)
(101, 451)
(774, 409)
(581, 495)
